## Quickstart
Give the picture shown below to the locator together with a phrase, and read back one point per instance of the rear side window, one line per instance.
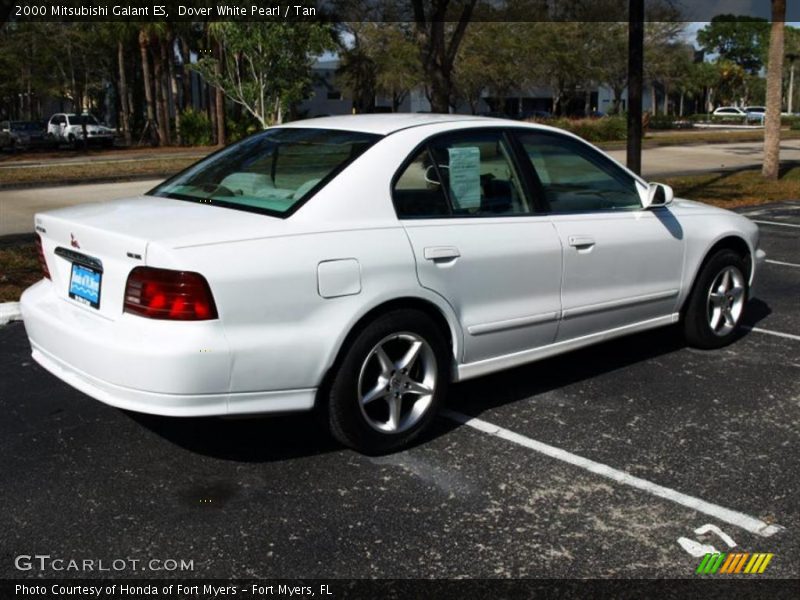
(469, 174)
(418, 191)
(273, 172)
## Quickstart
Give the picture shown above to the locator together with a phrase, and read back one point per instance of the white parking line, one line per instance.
(780, 262)
(738, 519)
(789, 336)
(776, 223)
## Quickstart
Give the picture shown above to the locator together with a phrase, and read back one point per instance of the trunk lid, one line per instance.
(90, 249)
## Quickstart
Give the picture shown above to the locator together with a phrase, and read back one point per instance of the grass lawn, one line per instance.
(656, 139)
(738, 188)
(19, 268)
(95, 171)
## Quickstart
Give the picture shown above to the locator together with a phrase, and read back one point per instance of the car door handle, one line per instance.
(581, 241)
(441, 253)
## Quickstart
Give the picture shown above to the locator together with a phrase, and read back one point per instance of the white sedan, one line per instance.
(357, 265)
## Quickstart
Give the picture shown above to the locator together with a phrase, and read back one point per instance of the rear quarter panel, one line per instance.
(282, 333)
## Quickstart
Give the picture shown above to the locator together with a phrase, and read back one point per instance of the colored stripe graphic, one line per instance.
(737, 562)
(710, 563)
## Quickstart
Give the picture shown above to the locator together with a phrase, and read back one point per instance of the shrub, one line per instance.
(670, 122)
(790, 121)
(605, 129)
(729, 119)
(195, 128)
(238, 129)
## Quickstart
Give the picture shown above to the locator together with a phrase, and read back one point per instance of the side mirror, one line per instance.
(658, 194)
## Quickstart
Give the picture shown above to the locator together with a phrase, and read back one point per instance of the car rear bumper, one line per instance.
(156, 367)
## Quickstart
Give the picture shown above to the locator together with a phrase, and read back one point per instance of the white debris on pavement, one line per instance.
(9, 311)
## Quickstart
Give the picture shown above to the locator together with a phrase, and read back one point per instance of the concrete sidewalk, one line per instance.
(17, 207)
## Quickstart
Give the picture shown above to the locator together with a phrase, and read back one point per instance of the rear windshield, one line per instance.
(271, 172)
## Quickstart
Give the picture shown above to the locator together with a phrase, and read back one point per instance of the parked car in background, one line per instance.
(755, 113)
(22, 135)
(733, 112)
(357, 265)
(67, 128)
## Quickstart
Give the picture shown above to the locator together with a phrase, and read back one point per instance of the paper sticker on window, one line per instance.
(465, 177)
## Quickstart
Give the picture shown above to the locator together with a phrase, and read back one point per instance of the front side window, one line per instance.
(576, 178)
(470, 174)
(272, 172)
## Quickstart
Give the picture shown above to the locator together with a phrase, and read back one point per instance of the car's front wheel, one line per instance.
(716, 305)
(389, 384)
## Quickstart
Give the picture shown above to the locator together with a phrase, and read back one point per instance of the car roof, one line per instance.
(386, 123)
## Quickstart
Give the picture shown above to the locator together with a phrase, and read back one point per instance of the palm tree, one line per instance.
(216, 39)
(772, 121)
(147, 79)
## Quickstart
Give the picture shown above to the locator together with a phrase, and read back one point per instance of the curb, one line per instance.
(9, 311)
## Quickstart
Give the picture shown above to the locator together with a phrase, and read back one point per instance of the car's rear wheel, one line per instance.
(389, 384)
(716, 305)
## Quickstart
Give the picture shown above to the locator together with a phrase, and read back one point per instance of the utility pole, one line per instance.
(635, 84)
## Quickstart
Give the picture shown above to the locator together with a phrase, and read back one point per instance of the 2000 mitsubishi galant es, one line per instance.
(357, 265)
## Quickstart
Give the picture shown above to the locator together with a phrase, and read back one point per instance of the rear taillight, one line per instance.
(42, 260)
(171, 295)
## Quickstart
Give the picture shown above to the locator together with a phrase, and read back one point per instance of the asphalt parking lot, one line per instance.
(592, 464)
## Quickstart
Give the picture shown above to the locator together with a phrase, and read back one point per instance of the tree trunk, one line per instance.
(219, 103)
(124, 116)
(159, 123)
(772, 120)
(680, 109)
(162, 92)
(440, 92)
(187, 76)
(147, 81)
(175, 106)
(211, 111)
(653, 100)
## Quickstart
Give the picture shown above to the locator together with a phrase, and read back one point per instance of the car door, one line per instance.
(622, 264)
(477, 243)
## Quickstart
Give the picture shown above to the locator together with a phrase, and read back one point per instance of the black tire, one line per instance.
(355, 426)
(697, 326)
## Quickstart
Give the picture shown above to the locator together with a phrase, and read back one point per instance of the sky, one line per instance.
(702, 10)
